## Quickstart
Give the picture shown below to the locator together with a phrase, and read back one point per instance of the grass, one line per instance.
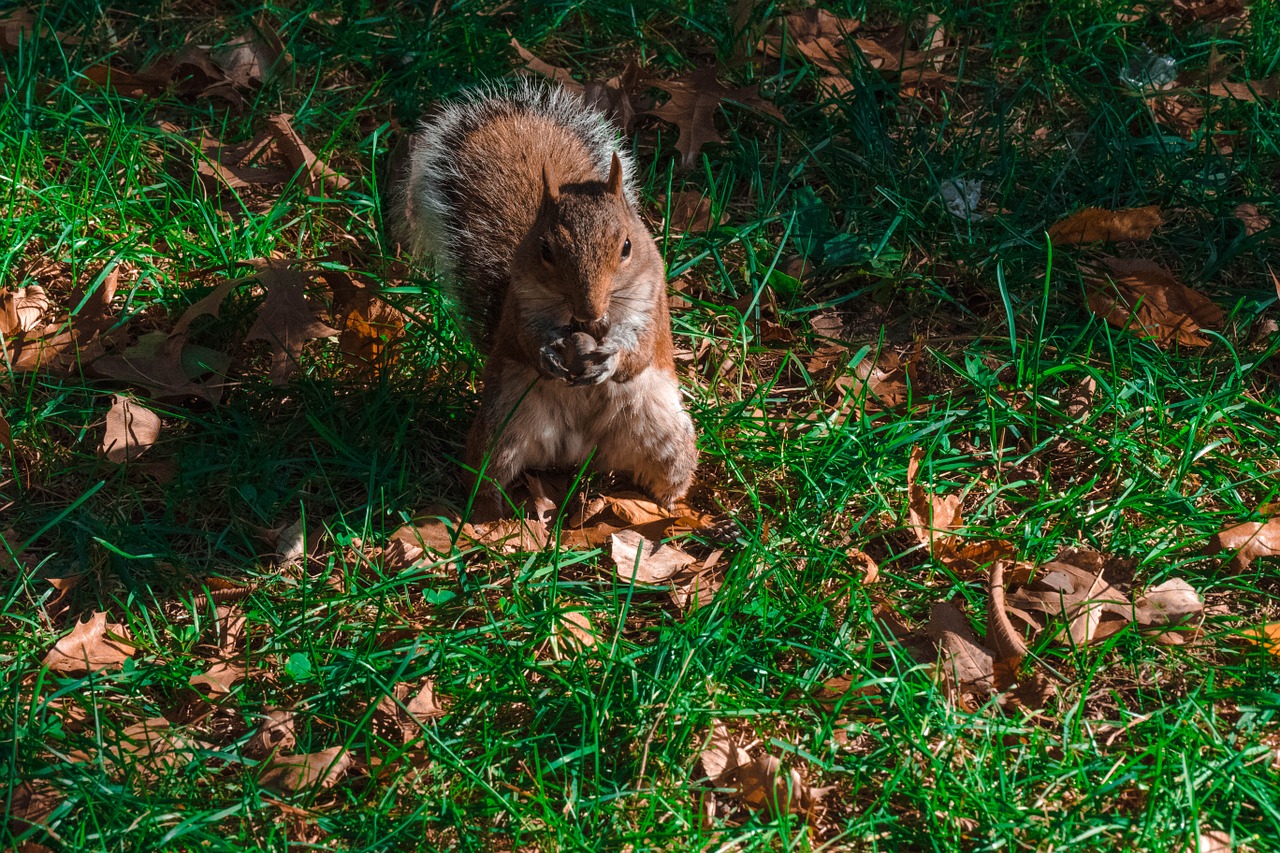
(1147, 746)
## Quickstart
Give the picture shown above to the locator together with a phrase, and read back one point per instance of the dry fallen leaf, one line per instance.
(290, 774)
(191, 72)
(760, 782)
(616, 97)
(60, 346)
(878, 383)
(151, 747)
(1142, 295)
(219, 678)
(275, 734)
(933, 518)
(235, 167)
(863, 562)
(574, 631)
(29, 805)
(286, 320)
(253, 57)
(428, 538)
(1181, 113)
(1072, 587)
(1211, 841)
(695, 98)
(169, 367)
(131, 430)
(407, 716)
(1248, 541)
(538, 66)
(1254, 220)
(1173, 604)
(642, 561)
(23, 310)
(820, 38)
(690, 212)
(317, 176)
(1267, 89)
(1096, 225)
(967, 666)
(88, 648)
(371, 328)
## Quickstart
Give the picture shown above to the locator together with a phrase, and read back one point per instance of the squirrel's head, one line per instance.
(590, 249)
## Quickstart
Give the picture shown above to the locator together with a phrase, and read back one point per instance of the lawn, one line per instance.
(976, 316)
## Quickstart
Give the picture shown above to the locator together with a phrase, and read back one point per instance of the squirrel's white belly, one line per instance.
(560, 425)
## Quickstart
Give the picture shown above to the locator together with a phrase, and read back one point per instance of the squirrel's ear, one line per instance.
(550, 185)
(614, 184)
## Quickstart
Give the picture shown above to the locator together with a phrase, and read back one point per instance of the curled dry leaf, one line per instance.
(933, 518)
(253, 57)
(1254, 220)
(1143, 296)
(23, 310)
(275, 734)
(574, 631)
(643, 561)
(60, 346)
(1172, 604)
(405, 715)
(1247, 542)
(286, 320)
(291, 774)
(859, 560)
(966, 665)
(317, 176)
(972, 672)
(1097, 225)
(761, 783)
(230, 627)
(531, 62)
(1072, 587)
(371, 328)
(131, 430)
(880, 383)
(91, 646)
(219, 678)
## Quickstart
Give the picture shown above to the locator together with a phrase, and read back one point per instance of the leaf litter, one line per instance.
(1141, 296)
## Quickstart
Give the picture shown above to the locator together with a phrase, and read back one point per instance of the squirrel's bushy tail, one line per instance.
(473, 182)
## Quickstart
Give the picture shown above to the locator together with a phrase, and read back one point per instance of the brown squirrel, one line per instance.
(522, 197)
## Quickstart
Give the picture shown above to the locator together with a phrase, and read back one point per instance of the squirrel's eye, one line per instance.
(546, 251)
(626, 248)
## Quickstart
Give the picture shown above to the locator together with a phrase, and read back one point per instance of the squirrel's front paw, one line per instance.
(595, 366)
(552, 361)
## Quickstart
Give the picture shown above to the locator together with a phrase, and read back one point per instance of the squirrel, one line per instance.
(521, 195)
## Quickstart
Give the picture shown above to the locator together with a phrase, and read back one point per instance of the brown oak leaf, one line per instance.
(1137, 294)
(695, 99)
